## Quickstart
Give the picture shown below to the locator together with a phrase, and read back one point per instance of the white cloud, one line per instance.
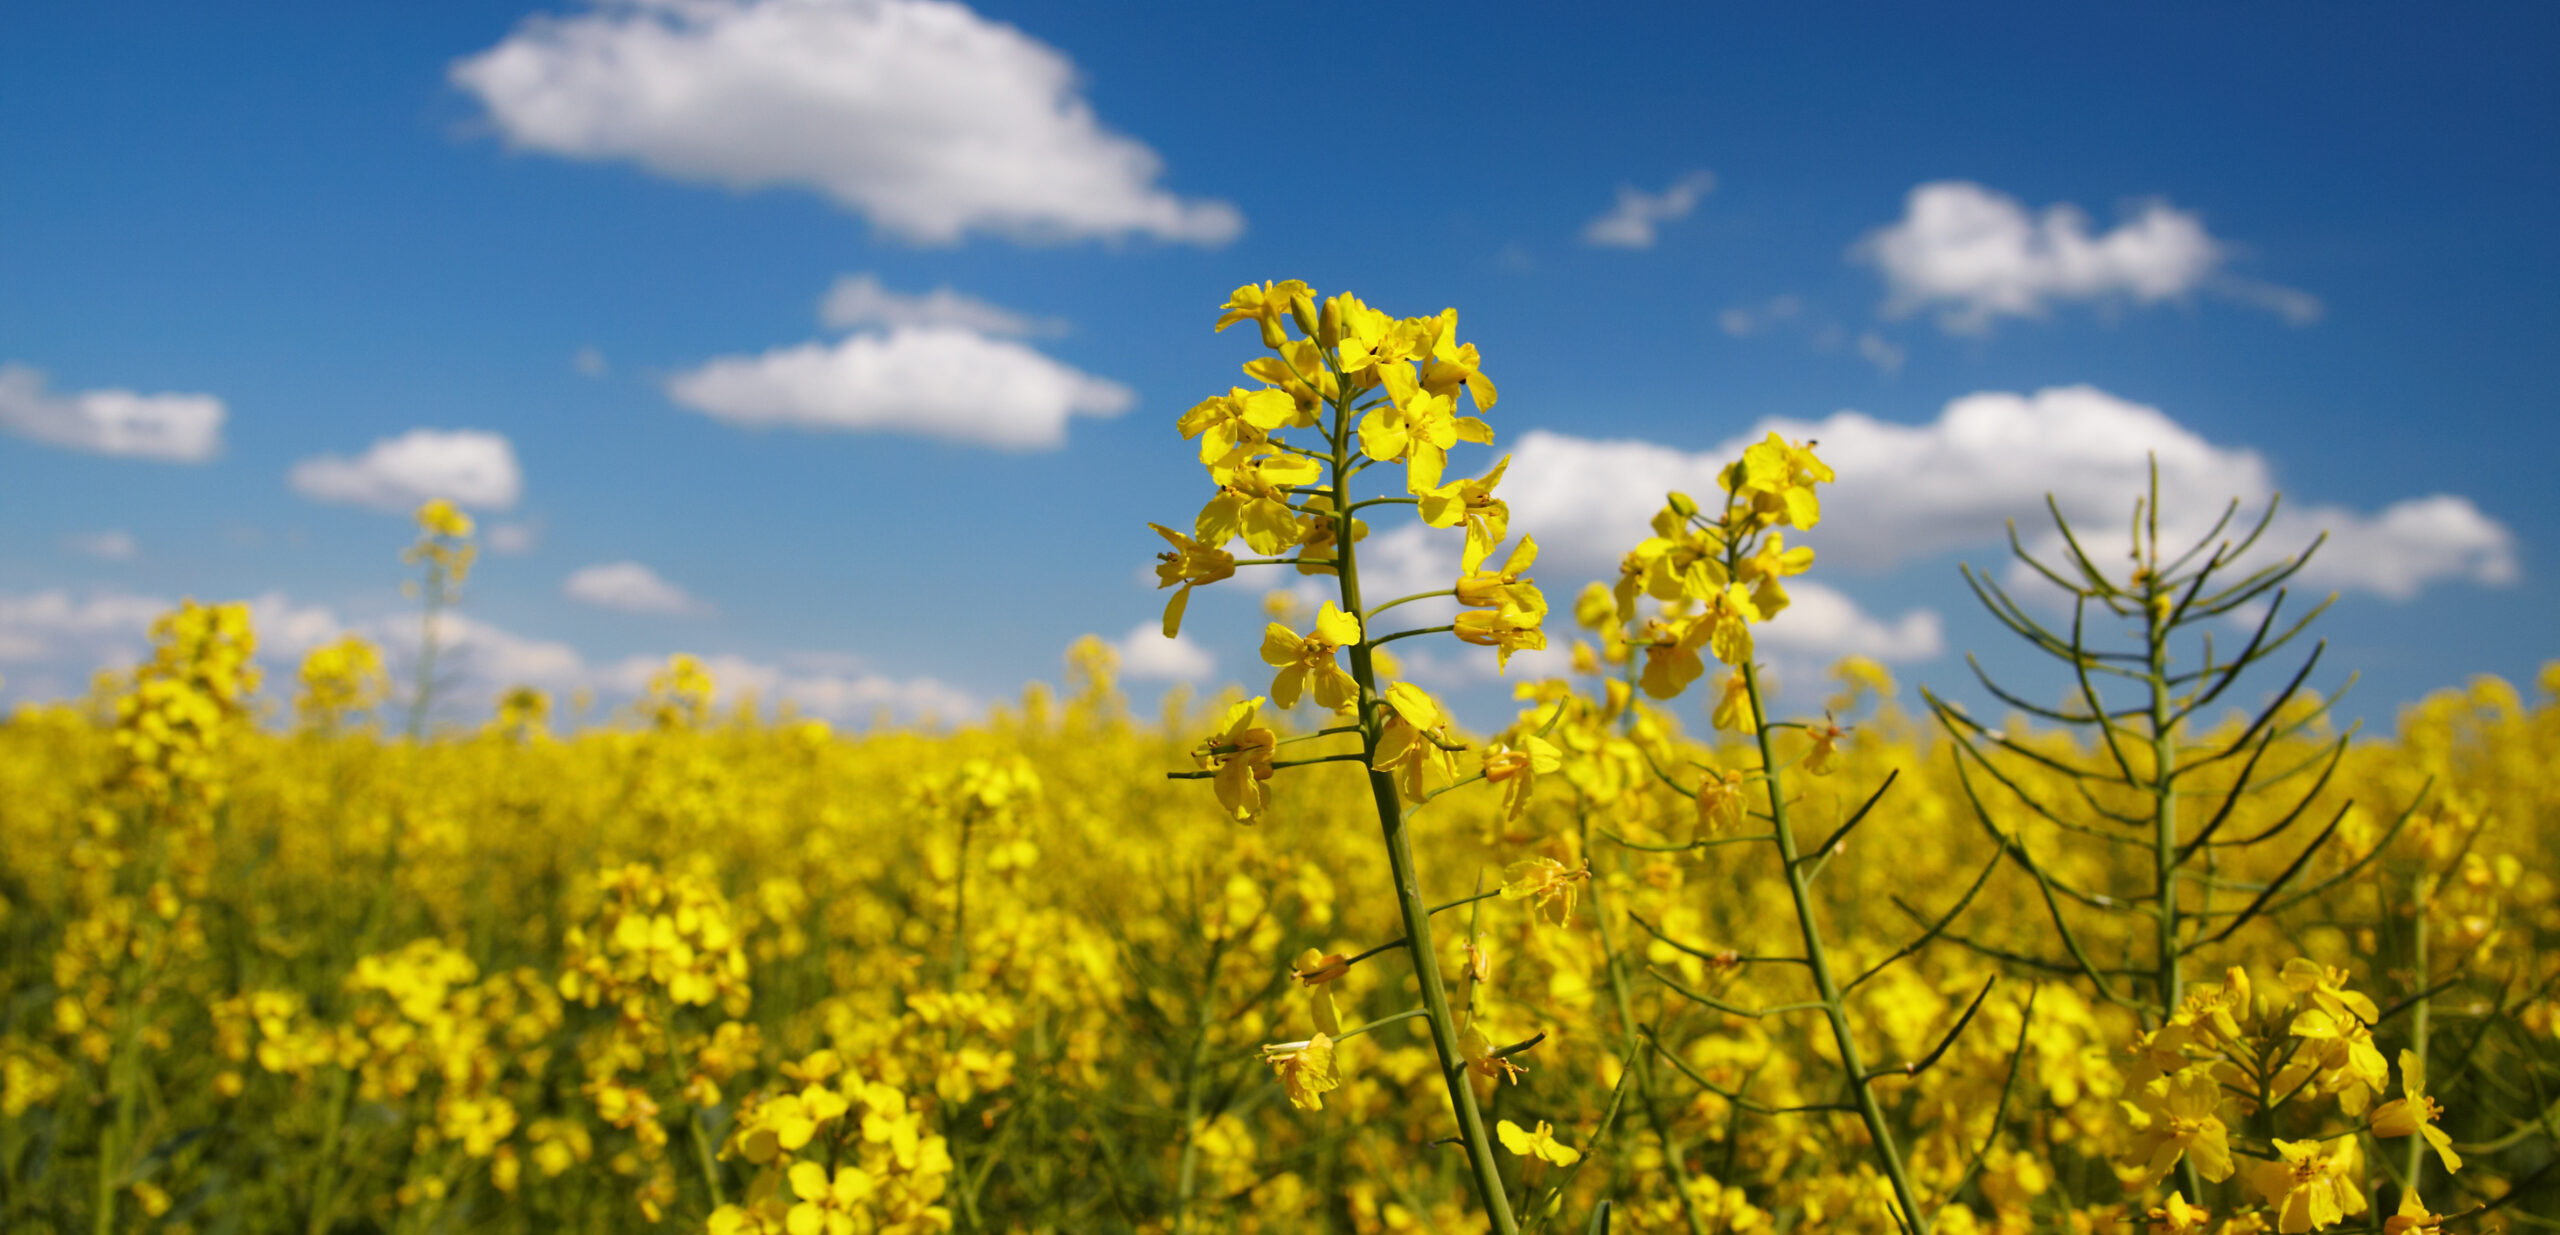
(1633, 222)
(51, 641)
(170, 428)
(629, 587)
(1881, 352)
(926, 118)
(110, 546)
(468, 466)
(1821, 623)
(104, 628)
(931, 381)
(1976, 255)
(842, 696)
(1908, 492)
(286, 630)
(1147, 656)
(590, 362)
(862, 300)
(513, 539)
(2405, 546)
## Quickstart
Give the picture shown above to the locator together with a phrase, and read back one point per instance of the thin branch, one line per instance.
(1823, 850)
(1925, 1062)
(1935, 929)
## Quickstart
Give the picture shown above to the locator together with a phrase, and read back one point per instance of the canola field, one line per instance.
(2157, 949)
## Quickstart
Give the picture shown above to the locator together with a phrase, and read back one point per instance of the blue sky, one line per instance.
(2290, 247)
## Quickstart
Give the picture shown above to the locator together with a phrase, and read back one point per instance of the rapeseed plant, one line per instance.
(709, 968)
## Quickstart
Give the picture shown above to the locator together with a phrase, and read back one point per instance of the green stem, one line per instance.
(1472, 1135)
(1633, 1056)
(1406, 600)
(1861, 1093)
(424, 691)
(1186, 1179)
(959, 908)
(333, 1121)
(2418, 1026)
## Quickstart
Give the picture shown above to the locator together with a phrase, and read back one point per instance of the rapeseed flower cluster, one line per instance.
(1666, 942)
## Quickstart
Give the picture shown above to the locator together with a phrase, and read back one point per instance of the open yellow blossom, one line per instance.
(1505, 587)
(1237, 418)
(1191, 564)
(1320, 535)
(1505, 630)
(2310, 1189)
(1417, 426)
(1733, 707)
(1241, 753)
(2179, 1116)
(1268, 304)
(1306, 1070)
(1769, 564)
(1308, 662)
(1541, 1143)
(1453, 364)
(1292, 371)
(1488, 518)
(1517, 770)
(782, 1125)
(2414, 1111)
(828, 1205)
(2341, 1057)
(1409, 746)
(1774, 480)
(2177, 1217)
(1720, 799)
(1372, 343)
(1545, 883)
(1253, 498)
(1594, 607)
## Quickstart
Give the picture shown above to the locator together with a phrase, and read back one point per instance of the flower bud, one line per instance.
(1302, 308)
(1273, 336)
(1684, 506)
(1329, 324)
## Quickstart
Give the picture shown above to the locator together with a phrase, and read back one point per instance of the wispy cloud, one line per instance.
(1634, 223)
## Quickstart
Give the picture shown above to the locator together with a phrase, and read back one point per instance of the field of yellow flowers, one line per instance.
(2158, 950)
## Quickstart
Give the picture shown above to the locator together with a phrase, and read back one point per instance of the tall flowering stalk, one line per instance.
(1361, 389)
(1716, 573)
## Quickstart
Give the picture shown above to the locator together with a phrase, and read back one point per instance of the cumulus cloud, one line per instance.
(841, 695)
(471, 467)
(1638, 216)
(629, 587)
(52, 640)
(862, 300)
(170, 428)
(88, 632)
(922, 116)
(1908, 492)
(931, 381)
(1147, 656)
(590, 362)
(1975, 255)
(109, 546)
(1822, 623)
